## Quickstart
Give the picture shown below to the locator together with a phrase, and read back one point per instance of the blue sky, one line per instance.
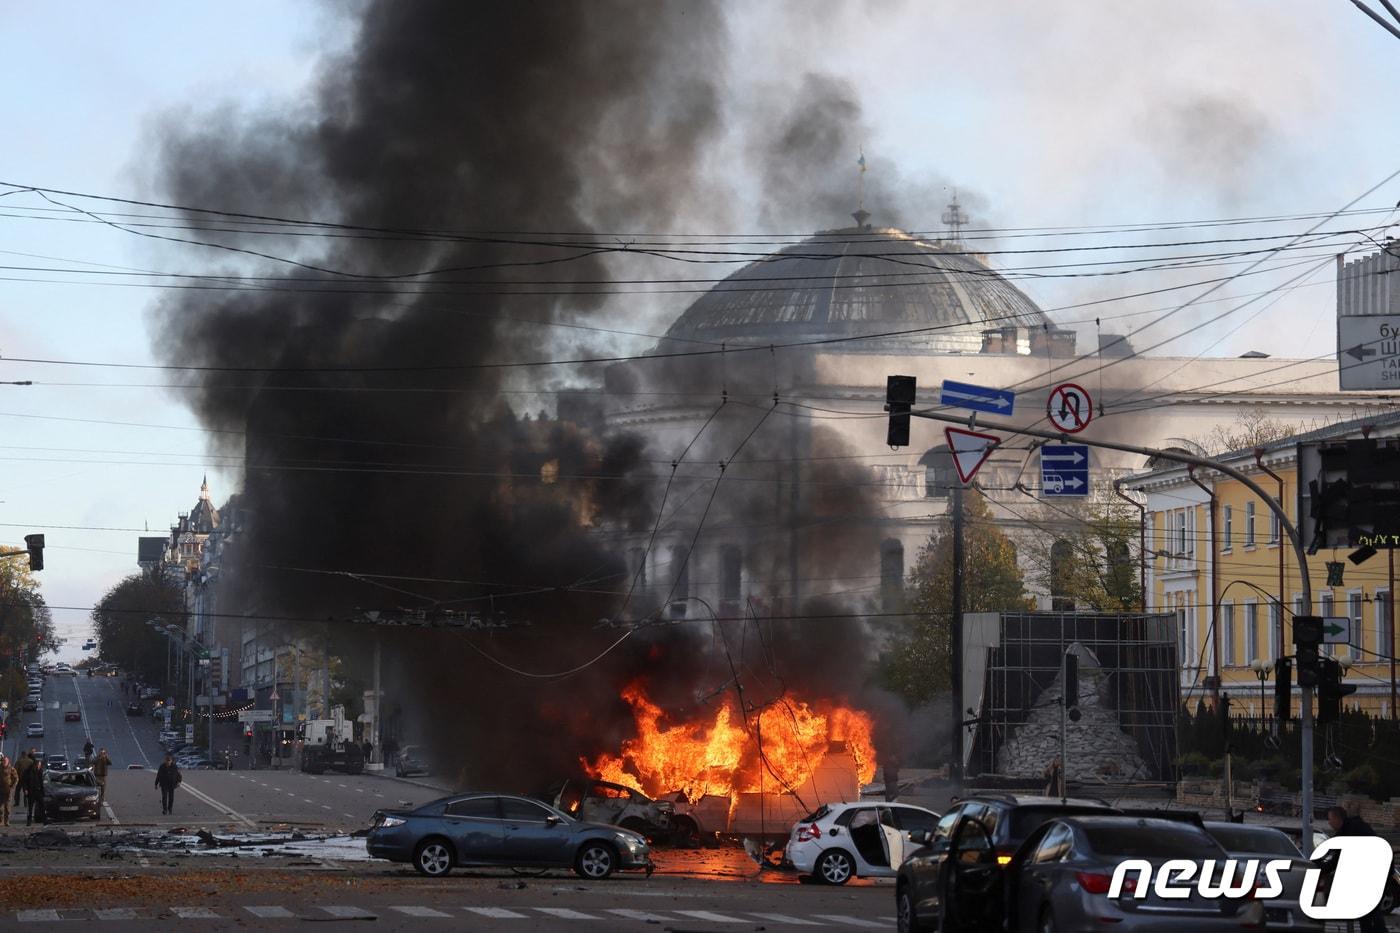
(1057, 113)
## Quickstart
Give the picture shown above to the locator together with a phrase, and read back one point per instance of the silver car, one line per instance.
(1267, 842)
(1059, 880)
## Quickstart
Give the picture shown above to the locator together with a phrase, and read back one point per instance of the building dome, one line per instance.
(861, 280)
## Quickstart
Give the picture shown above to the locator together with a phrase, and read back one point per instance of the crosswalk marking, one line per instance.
(709, 915)
(195, 913)
(348, 913)
(267, 912)
(37, 916)
(497, 913)
(852, 921)
(564, 913)
(116, 913)
(642, 915)
(420, 912)
(785, 918)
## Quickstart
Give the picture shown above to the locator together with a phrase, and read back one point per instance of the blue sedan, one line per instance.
(499, 830)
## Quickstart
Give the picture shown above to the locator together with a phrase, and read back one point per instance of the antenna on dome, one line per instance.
(860, 214)
(954, 218)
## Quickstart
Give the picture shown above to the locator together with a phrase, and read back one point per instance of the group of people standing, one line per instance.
(25, 779)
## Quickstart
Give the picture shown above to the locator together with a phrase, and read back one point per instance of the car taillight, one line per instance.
(1094, 883)
(1004, 857)
(808, 833)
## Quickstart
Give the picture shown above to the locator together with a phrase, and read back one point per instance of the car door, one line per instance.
(1035, 877)
(475, 828)
(603, 803)
(867, 839)
(893, 839)
(925, 867)
(534, 834)
(974, 878)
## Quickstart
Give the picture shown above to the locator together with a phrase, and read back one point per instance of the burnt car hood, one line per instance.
(69, 793)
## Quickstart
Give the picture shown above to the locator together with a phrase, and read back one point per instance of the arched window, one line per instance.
(891, 574)
(1061, 556)
(939, 475)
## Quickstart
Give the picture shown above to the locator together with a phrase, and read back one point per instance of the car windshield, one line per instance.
(816, 814)
(73, 778)
(1144, 839)
(1260, 840)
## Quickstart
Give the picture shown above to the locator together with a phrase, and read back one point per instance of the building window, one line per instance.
(1275, 624)
(891, 574)
(1385, 637)
(939, 475)
(731, 571)
(1228, 525)
(1249, 524)
(1227, 634)
(1357, 635)
(1275, 528)
(1251, 632)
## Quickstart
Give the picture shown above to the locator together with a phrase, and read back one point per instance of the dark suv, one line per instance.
(951, 881)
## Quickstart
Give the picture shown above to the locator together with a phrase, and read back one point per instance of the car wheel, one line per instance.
(596, 861)
(906, 917)
(835, 867)
(432, 857)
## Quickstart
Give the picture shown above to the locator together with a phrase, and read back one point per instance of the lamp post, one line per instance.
(1262, 669)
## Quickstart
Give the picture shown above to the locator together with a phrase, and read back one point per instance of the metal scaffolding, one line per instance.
(1137, 657)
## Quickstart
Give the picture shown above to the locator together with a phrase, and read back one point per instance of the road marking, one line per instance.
(642, 915)
(195, 913)
(348, 913)
(785, 918)
(227, 811)
(349, 815)
(497, 913)
(116, 913)
(359, 790)
(271, 913)
(851, 921)
(305, 799)
(36, 916)
(135, 741)
(340, 785)
(420, 912)
(564, 913)
(711, 916)
(325, 806)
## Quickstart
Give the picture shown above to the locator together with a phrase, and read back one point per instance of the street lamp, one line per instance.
(1262, 670)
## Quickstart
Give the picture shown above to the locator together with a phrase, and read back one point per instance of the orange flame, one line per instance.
(718, 755)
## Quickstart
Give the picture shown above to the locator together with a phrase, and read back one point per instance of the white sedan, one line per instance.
(35, 730)
(841, 841)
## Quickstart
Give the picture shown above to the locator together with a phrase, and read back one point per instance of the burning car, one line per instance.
(605, 802)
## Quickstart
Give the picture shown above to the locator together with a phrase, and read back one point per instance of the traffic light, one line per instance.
(899, 401)
(1309, 665)
(1330, 691)
(1283, 689)
(35, 544)
(1307, 635)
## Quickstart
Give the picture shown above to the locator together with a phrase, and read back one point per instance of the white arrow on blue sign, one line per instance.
(977, 398)
(1064, 470)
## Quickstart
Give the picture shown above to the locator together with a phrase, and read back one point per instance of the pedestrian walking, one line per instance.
(87, 750)
(9, 780)
(34, 792)
(167, 779)
(26, 761)
(100, 767)
(1054, 775)
(367, 748)
(1344, 825)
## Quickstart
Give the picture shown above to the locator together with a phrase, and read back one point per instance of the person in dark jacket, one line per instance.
(34, 791)
(167, 779)
(22, 764)
(1342, 824)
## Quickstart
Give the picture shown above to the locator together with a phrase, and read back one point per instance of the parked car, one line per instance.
(31, 705)
(927, 881)
(841, 841)
(605, 802)
(1061, 877)
(72, 713)
(1267, 842)
(410, 760)
(496, 829)
(69, 795)
(133, 709)
(35, 730)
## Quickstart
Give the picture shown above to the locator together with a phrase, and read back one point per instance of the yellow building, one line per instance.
(1216, 556)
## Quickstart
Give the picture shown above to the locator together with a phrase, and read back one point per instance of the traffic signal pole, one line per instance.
(1177, 456)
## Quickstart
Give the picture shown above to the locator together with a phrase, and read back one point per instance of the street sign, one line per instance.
(1070, 409)
(970, 449)
(274, 695)
(189, 733)
(255, 715)
(1064, 470)
(977, 398)
(214, 700)
(1336, 630)
(1368, 351)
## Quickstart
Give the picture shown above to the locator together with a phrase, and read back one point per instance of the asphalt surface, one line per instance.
(128, 739)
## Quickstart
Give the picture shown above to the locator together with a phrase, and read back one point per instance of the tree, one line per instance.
(1251, 429)
(1088, 561)
(917, 666)
(26, 626)
(120, 617)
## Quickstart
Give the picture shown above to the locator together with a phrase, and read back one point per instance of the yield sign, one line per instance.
(970, 449)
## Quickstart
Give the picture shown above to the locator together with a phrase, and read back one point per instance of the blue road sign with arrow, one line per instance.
(977, 398)
(1064, 470)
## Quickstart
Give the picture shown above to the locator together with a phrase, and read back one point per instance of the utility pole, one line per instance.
(1286, 523)
(955, 768)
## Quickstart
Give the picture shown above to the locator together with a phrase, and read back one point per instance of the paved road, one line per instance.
(128, 739)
